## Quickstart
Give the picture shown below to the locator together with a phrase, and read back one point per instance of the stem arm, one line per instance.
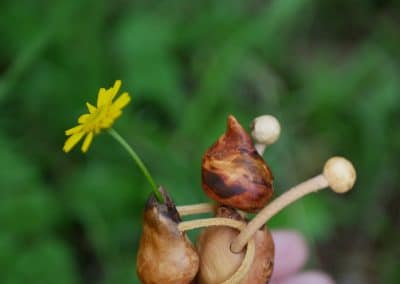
(138, 161)
(311, 185)
(195, 209)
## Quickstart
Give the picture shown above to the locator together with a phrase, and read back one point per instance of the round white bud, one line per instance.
(265, 129)
(340, 174)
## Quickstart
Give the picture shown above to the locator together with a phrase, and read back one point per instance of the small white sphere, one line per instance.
(265, 129)
(340, 174)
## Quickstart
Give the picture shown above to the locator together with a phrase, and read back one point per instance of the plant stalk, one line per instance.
(138, 161)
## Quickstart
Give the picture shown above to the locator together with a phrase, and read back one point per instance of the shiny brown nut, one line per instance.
(165, 254)
(234, 174)
(218, 262)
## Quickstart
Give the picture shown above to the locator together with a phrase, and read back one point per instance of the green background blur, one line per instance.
(328, 70)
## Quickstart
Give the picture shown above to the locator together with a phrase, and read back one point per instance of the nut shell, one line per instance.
(218, 262)
(234, 174)
(165, 254)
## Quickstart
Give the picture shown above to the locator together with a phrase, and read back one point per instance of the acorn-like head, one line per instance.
(234, 174)
(165, 254)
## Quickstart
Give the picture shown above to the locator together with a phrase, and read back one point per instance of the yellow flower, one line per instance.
(100, 117)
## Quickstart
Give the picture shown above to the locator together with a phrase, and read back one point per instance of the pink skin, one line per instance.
(291, 253)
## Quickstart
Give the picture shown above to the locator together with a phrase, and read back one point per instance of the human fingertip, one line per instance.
(291, 252)
(308, 277)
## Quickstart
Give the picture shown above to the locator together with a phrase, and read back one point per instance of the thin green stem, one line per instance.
(138, 161)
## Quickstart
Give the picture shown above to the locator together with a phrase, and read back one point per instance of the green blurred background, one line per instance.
(328, 70)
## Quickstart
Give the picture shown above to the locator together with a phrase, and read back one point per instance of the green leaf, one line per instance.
(43, 263)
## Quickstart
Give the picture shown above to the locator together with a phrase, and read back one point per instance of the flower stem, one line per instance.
(138, 161)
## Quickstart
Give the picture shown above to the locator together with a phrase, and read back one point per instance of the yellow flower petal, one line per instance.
(73, 130)
(87, 142)
(71, 141)
(108, 122)
(122, 101)
(83, 118)
(91, 108)
(117, 113)
(114, 90)
(102, 97)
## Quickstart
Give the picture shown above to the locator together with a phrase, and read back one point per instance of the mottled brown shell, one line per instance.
(218, 262)
(165, 254)
(234, 174)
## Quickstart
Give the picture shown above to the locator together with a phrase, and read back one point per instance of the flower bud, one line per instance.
(165, 254)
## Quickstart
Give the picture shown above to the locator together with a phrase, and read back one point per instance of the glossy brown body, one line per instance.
(165, 254)
(234, 174)
(218, 262)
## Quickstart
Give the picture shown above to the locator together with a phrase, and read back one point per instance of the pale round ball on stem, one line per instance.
(340, 174)
(265, 130)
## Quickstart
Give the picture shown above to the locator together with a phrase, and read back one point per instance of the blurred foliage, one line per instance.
(329, 70)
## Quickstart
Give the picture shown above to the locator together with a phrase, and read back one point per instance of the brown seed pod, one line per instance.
(165, 254)
(234, 174)
(218, 262)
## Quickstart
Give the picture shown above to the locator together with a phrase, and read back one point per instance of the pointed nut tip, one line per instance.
(232, 120)
(340, 174)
